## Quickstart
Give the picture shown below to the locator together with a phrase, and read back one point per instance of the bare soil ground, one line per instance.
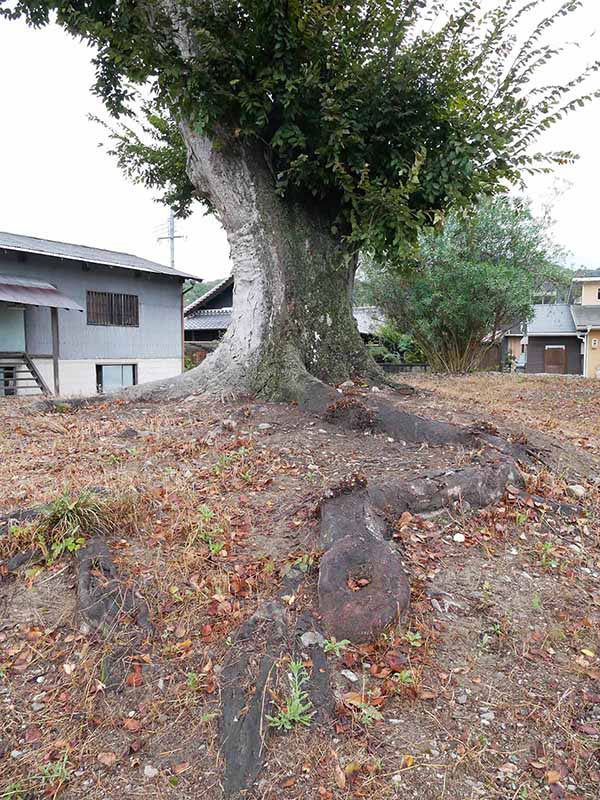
(490, 689)
(568, 406)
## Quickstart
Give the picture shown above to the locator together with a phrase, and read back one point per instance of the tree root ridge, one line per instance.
(103, 599)
(246, 683)
(353, 530)
(380, 416)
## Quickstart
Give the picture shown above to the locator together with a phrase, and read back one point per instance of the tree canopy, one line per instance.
(383, 113)
(470, 283)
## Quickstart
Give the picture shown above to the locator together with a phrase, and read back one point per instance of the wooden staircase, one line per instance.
(19, 376)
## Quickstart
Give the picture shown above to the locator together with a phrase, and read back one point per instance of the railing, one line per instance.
(20, 376)
(404, 367)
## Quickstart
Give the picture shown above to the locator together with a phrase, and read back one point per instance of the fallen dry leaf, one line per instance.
(108, 759)
(132, 725)
(33, 734)
(340, 776)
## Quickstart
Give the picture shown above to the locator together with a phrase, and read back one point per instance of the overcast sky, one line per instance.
(56, 182)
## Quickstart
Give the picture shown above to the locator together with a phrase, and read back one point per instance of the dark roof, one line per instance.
(209, 319)
(80, 252)
(28, 292)
(199, 304)
(368, 318)
(518, 329)
(549, 319)
(587, 275)
(586, 316)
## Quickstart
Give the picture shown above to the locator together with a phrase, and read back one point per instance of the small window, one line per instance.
(112, 377)
(106, 308)
(598, 293)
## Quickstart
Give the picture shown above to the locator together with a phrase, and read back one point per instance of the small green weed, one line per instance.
(333, 646)
(369, 714)
(232, 464)
(547, 555)
(62, 526)
(192, 681)
(297, 708)
(413, 638)
(61, 408)
(13, 791)
(404, 678)
(56, 773)
(112, 459)
(302, 563)
(208, 531)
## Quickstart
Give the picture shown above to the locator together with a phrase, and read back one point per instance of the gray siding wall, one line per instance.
(159, 332)
(535, 353)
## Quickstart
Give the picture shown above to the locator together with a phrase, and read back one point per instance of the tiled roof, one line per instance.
(550, 319)
(202, 301)
(586, 316)
(369, 319)
(79, 252)
(209, 319)
(587, 275)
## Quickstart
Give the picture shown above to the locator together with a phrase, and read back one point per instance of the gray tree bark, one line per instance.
(292, 313)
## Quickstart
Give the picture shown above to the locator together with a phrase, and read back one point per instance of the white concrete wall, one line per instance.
(78, 377)
(46, 369)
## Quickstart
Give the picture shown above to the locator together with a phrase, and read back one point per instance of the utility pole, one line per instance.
(171, 236)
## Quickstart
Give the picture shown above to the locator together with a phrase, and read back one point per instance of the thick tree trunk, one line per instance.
(292, 312)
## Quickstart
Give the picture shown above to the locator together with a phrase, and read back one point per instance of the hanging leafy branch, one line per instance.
(381, 114)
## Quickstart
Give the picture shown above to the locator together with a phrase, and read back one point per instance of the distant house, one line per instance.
(75, 320)
(562, 338)
(586, 316)
(208, 317)
(553, 345)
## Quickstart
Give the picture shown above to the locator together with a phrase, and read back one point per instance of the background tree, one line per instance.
(471, 282)
(314, 129)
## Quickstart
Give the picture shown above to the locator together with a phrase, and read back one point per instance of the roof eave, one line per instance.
(104, 263)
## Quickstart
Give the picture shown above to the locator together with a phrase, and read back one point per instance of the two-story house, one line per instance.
(562, 338)
(586, 316)
(75, 320)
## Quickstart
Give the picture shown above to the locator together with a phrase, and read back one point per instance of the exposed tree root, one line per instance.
(105, 601)
(247, 686)
(362, 588)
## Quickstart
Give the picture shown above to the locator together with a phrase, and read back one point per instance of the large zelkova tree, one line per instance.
(470, 283)
(313, 130)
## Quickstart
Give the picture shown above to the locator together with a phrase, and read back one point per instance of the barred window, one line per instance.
(106, 308)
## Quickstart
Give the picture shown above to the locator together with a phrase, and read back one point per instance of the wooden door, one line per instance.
(555, 359)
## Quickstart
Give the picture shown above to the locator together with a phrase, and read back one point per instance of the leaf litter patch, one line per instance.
(489, 687)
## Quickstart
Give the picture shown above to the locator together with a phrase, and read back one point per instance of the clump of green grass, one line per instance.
(63, 526)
